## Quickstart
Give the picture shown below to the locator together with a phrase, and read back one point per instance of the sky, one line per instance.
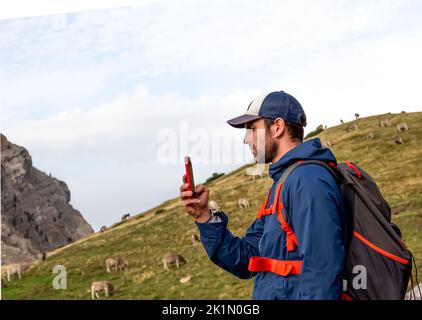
(109, 96)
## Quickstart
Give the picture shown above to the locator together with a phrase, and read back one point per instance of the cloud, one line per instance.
(374, 76)
(126, 118)
(185, 36)
(79, 60)
(27, 8)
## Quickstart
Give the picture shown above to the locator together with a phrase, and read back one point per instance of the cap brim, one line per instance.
(239, 122)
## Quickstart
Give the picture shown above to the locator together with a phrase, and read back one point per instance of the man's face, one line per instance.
(258, 137)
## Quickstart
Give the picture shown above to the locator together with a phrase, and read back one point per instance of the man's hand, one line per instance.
(195, 206)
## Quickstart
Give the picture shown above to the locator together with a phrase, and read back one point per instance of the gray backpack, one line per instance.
(378, 264)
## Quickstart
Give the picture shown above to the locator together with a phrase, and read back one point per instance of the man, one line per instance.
(300, 259)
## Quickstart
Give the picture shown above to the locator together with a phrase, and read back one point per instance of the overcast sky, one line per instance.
(95, 91)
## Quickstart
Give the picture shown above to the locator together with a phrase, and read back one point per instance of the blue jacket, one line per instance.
(314, 209)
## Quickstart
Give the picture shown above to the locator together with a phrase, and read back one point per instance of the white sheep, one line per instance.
(258, 170)
(14, 269)
(402, 126)
(98, 286)
(243, 203)
(115, 263)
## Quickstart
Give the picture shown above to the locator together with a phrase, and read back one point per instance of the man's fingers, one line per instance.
(200, 188)
(184, 187)
(190, 210)
(186, 194)
(188, 202)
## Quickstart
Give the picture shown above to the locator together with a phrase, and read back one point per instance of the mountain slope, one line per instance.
(144, 239)
(36, 214)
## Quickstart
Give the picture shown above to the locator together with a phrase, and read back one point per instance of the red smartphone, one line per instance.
(189, 174)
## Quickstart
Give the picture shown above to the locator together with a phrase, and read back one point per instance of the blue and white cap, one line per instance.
(278, 104)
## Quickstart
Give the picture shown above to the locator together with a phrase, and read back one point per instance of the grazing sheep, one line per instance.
(399, 141)
(173, 258)
(115, 263)
(103, 228)
(243, 203)
(415, 293)
(125, 216)
(14, 269)
(353, 127)
(257, 170)
(195, 239)
(214, 205)
(384, 123)
(402, 126)
(326, 144)
(370, 136)
(98, 286)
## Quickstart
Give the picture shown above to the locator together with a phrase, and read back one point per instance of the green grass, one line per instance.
(145, 238)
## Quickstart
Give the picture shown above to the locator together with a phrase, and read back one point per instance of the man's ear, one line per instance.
(279, 128)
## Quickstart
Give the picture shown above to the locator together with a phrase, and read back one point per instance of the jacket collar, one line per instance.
(311, 149)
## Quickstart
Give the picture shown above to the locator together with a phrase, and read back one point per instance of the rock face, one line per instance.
(36, 214)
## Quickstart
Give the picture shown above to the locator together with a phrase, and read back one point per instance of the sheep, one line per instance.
(384, 123)
(214, 205)
(14, 269)
(402, 126)
(415, 293)
(353, 127)
(185, 279)
(103, 228)
(172, 258)
(125, 216)
(195, 239)
(370, 136)
(115, 263)
(98, 286)
(326, 144)
(258, 170)
(243, 203)
(399, 141)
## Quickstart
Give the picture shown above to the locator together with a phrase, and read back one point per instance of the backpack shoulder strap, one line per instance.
(299, 163)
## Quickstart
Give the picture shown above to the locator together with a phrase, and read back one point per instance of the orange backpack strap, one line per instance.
(345, 296)
(291, 240)
(263, 211)
(280, 267)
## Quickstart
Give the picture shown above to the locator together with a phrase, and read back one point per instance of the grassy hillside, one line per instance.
(144, 239)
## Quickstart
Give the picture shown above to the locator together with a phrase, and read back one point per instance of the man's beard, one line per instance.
(271, 148)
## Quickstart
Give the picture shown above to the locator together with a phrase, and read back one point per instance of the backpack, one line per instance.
(378, 264)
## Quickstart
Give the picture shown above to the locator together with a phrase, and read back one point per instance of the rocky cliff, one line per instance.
(36, 215)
